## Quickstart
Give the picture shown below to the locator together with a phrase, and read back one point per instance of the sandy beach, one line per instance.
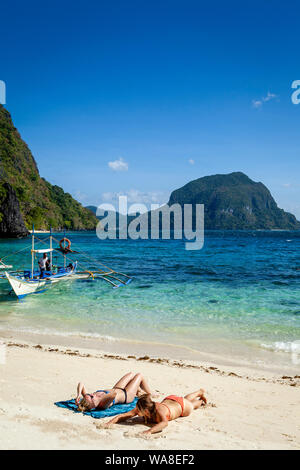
(246, 409)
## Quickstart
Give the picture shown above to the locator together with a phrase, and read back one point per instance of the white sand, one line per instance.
(250, 413)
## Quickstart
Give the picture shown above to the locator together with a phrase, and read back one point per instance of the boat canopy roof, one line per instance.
(47, 250)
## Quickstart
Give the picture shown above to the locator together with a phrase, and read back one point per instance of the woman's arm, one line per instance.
(122, 417)
(80, 391)
(107, 400)
(157, 427)
(161, 416)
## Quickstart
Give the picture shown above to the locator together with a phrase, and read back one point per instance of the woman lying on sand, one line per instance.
(125, 390)
(161, 413)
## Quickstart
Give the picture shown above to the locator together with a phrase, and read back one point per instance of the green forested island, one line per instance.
(25, 197)
(235, 202)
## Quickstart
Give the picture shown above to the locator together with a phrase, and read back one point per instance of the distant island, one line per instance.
(235, 202)
(232, 202)
(25, 197)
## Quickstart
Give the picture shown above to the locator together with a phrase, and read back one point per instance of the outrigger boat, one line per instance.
(34, 282)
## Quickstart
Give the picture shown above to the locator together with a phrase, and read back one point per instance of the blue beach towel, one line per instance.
(111, 411)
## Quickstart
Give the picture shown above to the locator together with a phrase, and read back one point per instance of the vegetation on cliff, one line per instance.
(40, 202)
(234, 202)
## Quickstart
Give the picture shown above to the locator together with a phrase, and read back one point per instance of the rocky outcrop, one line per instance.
(11, 220)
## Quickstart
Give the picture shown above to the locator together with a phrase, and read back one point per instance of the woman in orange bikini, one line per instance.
(160, 414)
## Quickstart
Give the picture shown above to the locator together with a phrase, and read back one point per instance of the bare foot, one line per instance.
(202, 397)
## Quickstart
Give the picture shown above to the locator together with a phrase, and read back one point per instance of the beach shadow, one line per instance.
(134, 421)
(130, 422)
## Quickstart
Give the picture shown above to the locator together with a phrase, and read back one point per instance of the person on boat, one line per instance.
(125, 391)
(48, 265)
(159, 414)
(42, 264)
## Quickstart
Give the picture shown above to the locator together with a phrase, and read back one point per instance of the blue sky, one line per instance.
(141, 97)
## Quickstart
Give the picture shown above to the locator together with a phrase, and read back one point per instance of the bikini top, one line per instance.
(178, 400)
(92, 395)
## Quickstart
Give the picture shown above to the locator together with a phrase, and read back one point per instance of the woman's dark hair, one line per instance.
(145, 402)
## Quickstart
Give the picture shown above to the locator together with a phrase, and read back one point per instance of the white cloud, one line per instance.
(270, 96)
(191, 161)
(258, 103)
(118, 165)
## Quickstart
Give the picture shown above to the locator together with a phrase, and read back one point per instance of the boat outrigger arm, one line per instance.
(33, 282)
(4, 266)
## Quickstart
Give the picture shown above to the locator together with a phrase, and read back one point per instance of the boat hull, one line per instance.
(23, 287)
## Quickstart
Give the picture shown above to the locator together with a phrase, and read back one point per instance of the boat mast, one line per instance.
(32, 252)
(64, 247)
(50, 248)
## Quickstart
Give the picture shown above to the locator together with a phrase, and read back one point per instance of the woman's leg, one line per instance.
(124, 380)
(197, 404)
(197, 397)
(193, 401)
(133, 386)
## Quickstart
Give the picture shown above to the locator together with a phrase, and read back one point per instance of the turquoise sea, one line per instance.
(239, 296)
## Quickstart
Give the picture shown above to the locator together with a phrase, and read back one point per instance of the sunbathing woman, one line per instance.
(161, 413)
(125, 390)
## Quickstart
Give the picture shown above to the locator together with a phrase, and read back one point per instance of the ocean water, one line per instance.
(237, 297)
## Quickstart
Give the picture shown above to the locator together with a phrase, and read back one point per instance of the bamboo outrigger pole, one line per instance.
(32, 252)
(51, 248)
(64, 247)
